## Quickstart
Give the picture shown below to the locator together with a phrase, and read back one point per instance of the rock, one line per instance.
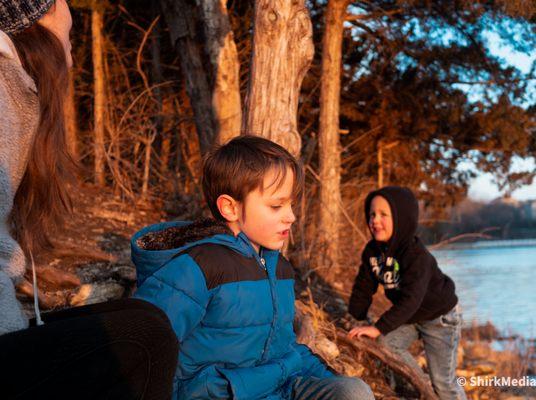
(326, 348)
(124, 273)
(102, 272)
(353, 370)
(97, 293)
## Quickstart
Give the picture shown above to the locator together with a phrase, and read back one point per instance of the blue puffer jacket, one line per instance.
(231, 308)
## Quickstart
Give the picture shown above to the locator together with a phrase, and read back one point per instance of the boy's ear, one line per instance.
(228, 207)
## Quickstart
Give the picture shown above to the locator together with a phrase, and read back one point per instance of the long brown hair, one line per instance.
(42, 198)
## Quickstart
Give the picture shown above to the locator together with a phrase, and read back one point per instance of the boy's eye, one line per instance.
(275, 207)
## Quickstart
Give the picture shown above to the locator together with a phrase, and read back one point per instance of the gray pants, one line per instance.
(335, 388)
(440, 337)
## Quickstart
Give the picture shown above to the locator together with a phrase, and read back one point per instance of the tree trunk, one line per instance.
(282, 52)
(221, 49)
(380, 165)
(99, 92)
(71, 126)
(381, 147)
(329, 147)
(212, 85)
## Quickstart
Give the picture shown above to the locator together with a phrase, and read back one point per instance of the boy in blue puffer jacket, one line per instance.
(227, 290)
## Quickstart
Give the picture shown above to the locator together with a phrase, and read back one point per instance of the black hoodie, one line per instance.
(412, 280)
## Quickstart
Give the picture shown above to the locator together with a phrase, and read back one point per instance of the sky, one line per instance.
(482, 187)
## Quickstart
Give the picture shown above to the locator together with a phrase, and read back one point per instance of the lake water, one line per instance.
(495, 284)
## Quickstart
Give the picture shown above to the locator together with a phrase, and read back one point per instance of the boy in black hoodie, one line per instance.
(424, 299)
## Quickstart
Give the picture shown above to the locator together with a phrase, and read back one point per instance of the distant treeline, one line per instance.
(495, 220)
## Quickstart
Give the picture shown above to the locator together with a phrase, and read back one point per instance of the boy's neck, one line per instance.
(235, 228)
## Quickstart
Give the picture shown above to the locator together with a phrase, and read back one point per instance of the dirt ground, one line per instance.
(93, 246)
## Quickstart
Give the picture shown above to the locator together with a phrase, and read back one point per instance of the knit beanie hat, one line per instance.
(17, 15)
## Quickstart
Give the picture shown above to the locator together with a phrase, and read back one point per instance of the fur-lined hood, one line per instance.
(155, 245)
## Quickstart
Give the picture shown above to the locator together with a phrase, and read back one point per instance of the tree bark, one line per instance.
(329, 145)
(99, 92)
(210, 66)
(282, 52)
(381, 147)
(221, 49)
(380, 165)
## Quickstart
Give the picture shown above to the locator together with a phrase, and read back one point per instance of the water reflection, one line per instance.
(495, 284)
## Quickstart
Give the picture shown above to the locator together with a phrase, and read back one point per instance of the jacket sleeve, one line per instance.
(413, 286)
(365, 286)
(261, 381)
(313, 366)
(179, 289)
(11, 316)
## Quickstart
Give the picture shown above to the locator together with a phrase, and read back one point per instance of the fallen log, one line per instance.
(392, 361)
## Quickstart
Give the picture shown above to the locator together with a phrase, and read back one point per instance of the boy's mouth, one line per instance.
(375, 231)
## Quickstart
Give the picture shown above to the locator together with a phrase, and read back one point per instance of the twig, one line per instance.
(472, 235)
(140, 51)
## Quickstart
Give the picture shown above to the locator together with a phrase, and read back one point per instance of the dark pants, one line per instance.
(124, 349)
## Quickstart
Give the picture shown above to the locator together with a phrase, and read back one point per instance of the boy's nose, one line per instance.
(290, 217)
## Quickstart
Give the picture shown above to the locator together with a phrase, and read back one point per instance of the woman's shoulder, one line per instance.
(12, 74)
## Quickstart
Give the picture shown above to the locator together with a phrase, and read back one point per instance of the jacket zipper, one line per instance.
(262, 261)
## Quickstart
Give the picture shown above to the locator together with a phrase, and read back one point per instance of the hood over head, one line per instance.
(155, 245)
(405, 213)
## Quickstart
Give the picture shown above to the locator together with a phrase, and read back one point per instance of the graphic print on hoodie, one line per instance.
(387, 271)
(411, 278)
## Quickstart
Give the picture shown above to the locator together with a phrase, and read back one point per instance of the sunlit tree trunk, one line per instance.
(223, 56)
(71, 126)
(282, 52)
(381, 147)
(99, 92)
(329, 145)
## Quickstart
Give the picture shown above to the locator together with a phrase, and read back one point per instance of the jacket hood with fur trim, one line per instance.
(155, 245)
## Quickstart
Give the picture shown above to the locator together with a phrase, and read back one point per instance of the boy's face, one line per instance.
(380, 219)
(266, 215)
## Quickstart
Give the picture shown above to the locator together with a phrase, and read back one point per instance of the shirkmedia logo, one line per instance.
(497, 381)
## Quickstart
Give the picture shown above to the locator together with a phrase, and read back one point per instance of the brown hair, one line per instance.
(42, 198)
(239, 167)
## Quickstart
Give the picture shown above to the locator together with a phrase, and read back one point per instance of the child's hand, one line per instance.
(359, 331)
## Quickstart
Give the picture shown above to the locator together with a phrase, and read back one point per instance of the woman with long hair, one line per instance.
(120, 350)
